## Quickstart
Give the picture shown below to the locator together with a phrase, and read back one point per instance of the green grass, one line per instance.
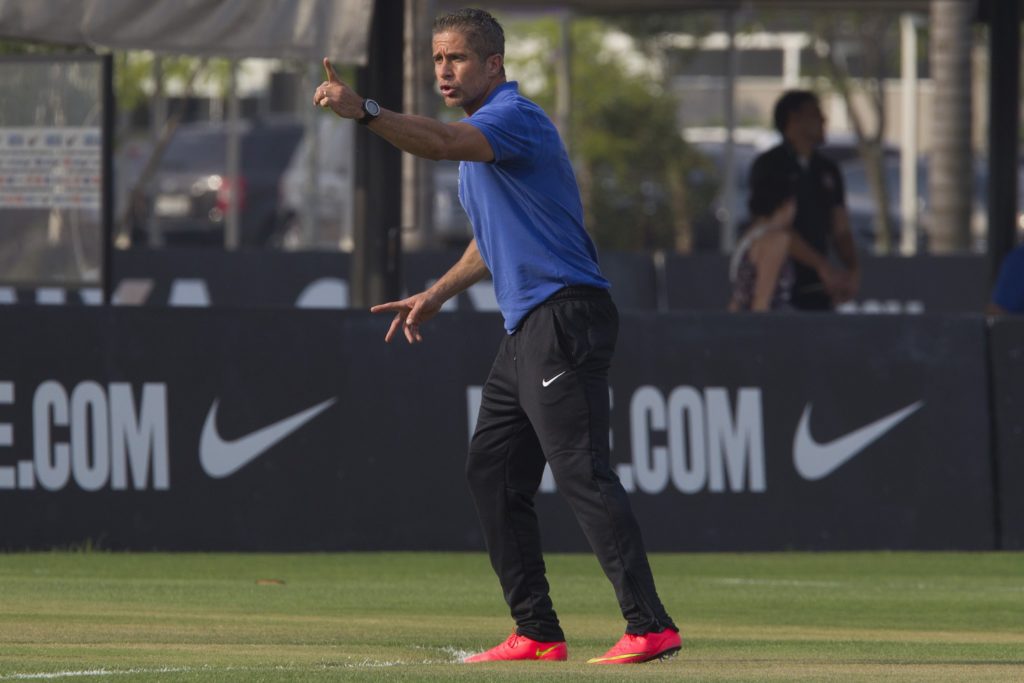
(409, 616)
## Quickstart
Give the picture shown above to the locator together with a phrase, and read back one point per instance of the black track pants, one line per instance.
(546, 400)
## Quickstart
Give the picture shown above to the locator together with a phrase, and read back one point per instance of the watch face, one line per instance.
(371, 107)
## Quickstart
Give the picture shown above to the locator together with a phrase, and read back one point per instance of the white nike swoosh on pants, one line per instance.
(221, 458)
(815, 460)
(547, 382)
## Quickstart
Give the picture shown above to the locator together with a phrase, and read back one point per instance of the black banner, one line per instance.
(246, 278)
(255, 278)
(1007, 359)
(203, 429)
(640, 281)
(802, 431)
(247, 430)
(889, 284)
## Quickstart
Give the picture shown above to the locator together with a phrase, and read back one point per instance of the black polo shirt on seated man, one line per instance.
(819, 190)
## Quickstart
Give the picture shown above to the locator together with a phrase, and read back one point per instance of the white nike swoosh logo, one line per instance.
(221, 458)
(546, 382)
(815, 460)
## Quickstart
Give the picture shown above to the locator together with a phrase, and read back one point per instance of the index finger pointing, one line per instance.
(331, 75)
(389, 306)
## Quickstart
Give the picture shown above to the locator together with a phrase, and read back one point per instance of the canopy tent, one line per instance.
(299, 29)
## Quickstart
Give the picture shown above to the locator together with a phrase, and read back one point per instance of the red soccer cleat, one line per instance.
(633, 649)
(521, 647)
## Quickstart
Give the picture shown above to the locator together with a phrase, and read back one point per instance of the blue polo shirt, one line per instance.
(1009, 289)
(525, 207)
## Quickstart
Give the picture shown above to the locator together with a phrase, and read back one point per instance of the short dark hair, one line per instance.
(769, 192)
(483, 32)
(791, 102)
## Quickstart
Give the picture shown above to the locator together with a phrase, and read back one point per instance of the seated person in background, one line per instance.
(761, 273)
(1008, 294)
(821, 227)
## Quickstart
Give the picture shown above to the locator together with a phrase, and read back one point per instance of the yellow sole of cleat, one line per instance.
(632, 659)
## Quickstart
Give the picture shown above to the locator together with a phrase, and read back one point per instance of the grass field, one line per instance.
(410, 616)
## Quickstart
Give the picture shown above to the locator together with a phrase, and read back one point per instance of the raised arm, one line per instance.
(417, 135)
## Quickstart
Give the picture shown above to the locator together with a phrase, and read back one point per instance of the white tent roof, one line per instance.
(300, 29)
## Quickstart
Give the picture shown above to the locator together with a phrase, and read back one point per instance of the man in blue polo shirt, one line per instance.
(546, 399)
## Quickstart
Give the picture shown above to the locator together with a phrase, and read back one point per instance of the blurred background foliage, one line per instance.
(623, 132)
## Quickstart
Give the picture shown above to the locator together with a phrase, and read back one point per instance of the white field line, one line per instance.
(359, 664)
(455, 653)
(776, 582)
(91, 672)
(799, 583)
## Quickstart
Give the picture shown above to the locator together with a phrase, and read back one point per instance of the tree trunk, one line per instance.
(950, 179)
(418, 97)
(682, 229)
(871, 153)
(870, 133)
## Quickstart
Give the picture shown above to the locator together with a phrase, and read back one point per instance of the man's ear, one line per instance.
(495, 63)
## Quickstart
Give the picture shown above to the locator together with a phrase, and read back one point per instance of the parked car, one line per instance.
(187, 200)
(708, 225)
(861, 203)
(862, 207)
(710, 142)
(334, 208)
(841, 148)
(332, 225)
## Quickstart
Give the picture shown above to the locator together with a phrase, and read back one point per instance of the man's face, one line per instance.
(809, 123)
(463, 78)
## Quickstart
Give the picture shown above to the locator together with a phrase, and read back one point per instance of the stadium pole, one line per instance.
(378, 212)
(1003, 18)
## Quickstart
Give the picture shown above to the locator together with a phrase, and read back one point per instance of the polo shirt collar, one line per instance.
(507, 85)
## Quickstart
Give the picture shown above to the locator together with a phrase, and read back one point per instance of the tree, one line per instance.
(630, 158)
(872, 38)
(854, 53)
(950, 176)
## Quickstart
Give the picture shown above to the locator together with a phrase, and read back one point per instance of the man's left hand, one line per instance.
(337, 95)
(409, 313)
